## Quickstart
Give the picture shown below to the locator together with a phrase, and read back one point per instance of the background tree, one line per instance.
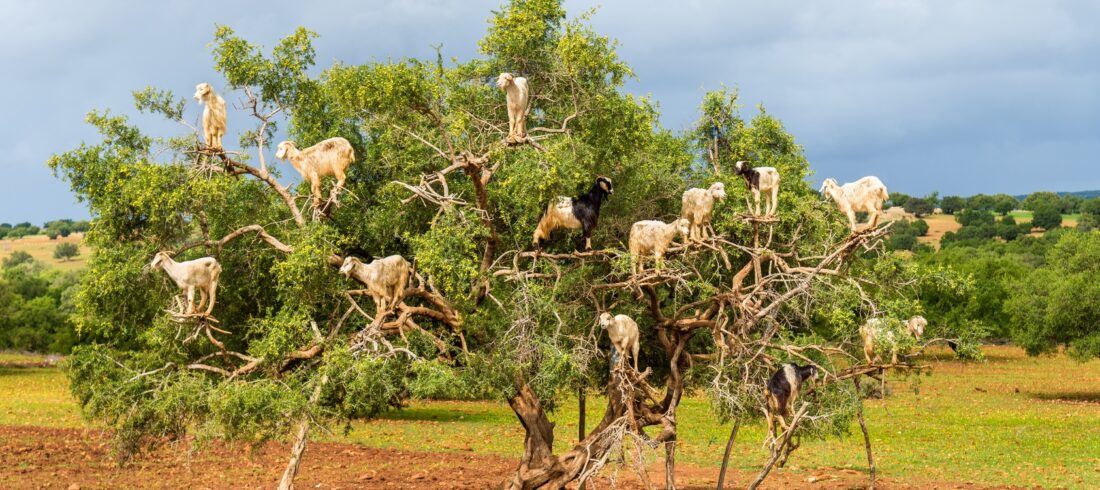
(1047, 216)
(1090, 215)
(1004, 203)
(1058, 304)
(918, 206)
(952, 204)
(66, 251)
(1036, 200)
(899, 199)
(980, 202)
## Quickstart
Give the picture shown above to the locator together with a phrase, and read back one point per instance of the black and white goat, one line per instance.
(761, 180)
(574, 212)
(783, 390)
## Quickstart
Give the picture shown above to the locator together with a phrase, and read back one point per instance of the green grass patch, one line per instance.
(1068, 220)
(38, 397)
(1011, 420)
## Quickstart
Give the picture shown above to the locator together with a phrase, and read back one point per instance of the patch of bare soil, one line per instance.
(35, 457)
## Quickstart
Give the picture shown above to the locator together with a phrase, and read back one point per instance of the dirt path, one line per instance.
(34, 457)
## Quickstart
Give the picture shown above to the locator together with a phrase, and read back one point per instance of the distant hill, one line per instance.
(1081, 194)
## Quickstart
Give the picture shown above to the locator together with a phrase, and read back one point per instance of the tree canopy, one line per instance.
(484, 317)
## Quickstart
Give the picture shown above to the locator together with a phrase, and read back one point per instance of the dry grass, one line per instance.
(938, 225)
(41, 248)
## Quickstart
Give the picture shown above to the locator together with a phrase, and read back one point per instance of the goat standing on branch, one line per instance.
(518, 94)
(329, 157)
(653, 238)
(874, 330)
(864, 195)
(698, 207)
(783, 390)
(761, 179)
(385, 279)
(623, 332)
(201, 274)
(213, 115)
(577, 212)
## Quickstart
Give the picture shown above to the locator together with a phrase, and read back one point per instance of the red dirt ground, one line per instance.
(35, 457)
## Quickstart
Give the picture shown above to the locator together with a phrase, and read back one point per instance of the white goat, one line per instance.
(761, 179)
(873, 329)
(517, 92)
(213, 116)
(653, 238)
(623, 332)
(385, 279)
(698, 206)
(329, 157)
(201, 274)
(864, 195)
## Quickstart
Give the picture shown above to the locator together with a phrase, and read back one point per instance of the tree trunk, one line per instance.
(866, 434)
(670, 464)
(580, 416)
(301, 437)
(726, 456)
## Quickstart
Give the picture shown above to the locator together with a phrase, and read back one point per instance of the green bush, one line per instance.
(66, 251)
(1047, 217)
(974, 217)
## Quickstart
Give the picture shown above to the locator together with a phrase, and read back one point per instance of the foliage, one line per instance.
(1059, 303)
(1037, 200)
(434, 181)
(66, 251)
(904, 233)
(899, 199)
(1090, 215)
(952, 204)
(1047, 216)
(35, 306)
(918, 206)
(974, 217)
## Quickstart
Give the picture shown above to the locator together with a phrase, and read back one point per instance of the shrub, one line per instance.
(974, 217)
(65, 251)
(1048, 217)
(16, 258)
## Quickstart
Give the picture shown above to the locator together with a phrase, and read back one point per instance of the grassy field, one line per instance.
(1068, 220)
(41, 248)
(1008, 421)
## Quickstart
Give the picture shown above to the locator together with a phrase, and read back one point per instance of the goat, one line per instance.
(385, 279)
(653, 238)
(201, 274)
(517, 92)
(213, 115)
(574, 212)
(873, 329)
(329, 157)
(761, 179)
(623, 332)
(698, 206)
(783, 390)
(864, 195)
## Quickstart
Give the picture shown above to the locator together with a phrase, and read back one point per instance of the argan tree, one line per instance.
(292, 342)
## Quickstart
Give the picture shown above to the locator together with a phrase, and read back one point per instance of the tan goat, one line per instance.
(201, 274)
(213, 115)
(329, 157)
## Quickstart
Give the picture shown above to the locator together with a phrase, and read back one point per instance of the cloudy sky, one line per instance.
(956, 96)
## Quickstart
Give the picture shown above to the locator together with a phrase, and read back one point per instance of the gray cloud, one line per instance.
(960, 97)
